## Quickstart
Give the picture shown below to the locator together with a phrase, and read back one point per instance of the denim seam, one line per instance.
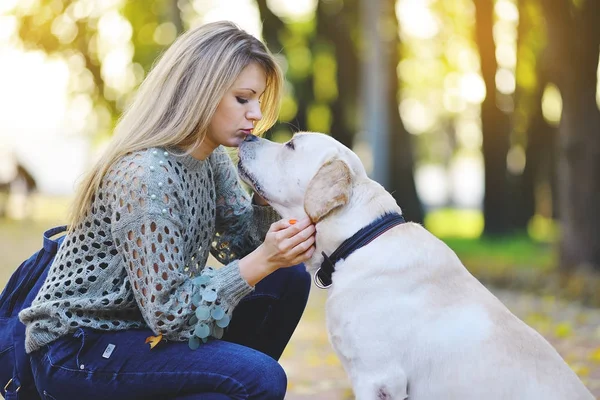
(7, 349)
(88, 372)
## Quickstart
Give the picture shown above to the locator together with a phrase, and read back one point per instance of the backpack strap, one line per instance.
(22, 376)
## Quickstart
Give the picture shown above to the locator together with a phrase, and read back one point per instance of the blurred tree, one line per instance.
(293, 41)
(70, 29)
(155, 24)
(495, 126)
(337, 26)
(400, 157)
(530, 127)
(574, 46)
(332, 84)
(62, 27)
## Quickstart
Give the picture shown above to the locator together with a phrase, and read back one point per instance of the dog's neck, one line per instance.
(369, 201)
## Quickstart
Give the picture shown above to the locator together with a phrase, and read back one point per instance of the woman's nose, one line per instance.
(255, 114)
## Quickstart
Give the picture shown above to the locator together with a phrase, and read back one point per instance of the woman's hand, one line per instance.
(288, 244)
(285, 244)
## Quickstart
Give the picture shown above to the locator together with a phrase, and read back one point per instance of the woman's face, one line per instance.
(238, 110)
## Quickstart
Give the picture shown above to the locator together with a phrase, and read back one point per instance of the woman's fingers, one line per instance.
(303, 246)
(280, 225)
(298, 238)
(306, 252)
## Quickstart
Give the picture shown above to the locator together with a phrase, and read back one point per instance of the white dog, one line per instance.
(405, 317)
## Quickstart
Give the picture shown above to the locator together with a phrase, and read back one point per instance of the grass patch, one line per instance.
(462, 231)
(518, 251)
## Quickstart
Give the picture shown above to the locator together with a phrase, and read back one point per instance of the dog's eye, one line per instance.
(290, 145)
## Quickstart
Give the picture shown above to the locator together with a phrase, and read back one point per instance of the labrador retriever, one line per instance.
(405, 317)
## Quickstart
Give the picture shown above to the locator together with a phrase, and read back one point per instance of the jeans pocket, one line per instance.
(69, 351)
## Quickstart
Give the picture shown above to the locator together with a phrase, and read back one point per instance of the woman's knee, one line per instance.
(270, 380)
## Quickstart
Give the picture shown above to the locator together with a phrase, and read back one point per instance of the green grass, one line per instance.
(462, 231)
(517, 251)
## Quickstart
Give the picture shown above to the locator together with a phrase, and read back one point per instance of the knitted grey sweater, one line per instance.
(138, 258)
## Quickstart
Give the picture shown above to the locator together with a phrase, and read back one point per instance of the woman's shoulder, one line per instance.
(141, 167)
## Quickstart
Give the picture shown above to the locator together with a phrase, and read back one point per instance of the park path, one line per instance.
(315, 373)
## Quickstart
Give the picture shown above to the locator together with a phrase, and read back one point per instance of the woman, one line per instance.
(133, 264)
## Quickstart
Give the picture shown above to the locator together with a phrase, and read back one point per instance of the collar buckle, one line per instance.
(319, 280)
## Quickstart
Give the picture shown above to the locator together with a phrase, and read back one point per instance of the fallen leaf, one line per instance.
(153, 340)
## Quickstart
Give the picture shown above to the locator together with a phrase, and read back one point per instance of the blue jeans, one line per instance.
(243, 365)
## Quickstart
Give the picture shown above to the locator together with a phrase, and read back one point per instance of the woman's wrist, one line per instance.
(254, 267)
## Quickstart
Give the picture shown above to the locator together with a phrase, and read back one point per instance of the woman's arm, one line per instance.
(240, 225)
(149, 236)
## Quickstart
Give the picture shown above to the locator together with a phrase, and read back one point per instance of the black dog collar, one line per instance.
(361, 238)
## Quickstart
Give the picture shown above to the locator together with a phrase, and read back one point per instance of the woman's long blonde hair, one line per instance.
(176, 102)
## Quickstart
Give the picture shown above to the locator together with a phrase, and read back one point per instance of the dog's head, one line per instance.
(311, 174)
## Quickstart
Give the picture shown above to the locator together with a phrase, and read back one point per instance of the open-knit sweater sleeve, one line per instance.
(150, 234)
(240, 225)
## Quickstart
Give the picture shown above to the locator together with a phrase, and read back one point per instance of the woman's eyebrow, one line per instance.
(252, 90)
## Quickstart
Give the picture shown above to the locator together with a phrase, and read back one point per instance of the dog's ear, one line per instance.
(329, 189)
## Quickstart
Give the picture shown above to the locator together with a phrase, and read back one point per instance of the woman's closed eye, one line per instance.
(241, 100)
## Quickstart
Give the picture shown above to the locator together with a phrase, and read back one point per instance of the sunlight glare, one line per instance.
(507, 10)
(552, 104)
(81, 9)
(515, 160)
(598, 87)
(472, 87)
(64, 28)
(23, 6)
(506, 54)
(114, 29)
(8, 27)
(505, 81)
(468, 60)
(115, 68)
(416, 116)
(416, 19)
(242, 12)
(468, 133)
(467, 179)
(297, 10)
(7, 6)
(431, 181)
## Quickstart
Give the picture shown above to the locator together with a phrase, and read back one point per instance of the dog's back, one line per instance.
(404, 310)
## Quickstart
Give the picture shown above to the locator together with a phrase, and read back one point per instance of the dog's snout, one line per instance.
(251, 138)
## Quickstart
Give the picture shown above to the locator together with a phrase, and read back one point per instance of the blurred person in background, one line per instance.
(133, 264)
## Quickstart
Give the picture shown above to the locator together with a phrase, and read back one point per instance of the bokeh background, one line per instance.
(481, 117)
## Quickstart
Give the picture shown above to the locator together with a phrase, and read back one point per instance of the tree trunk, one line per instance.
(401, 160)
(272, 28)
(575, 40)
(495, 127)
(335, 24)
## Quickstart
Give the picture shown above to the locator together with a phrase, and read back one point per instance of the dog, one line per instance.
(405, 317)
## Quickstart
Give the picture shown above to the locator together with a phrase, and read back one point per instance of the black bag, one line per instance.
(16, 379)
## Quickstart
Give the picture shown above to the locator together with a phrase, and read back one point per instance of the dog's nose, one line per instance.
(251, 138)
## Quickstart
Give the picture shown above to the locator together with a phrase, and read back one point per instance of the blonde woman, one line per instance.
(133, 264)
